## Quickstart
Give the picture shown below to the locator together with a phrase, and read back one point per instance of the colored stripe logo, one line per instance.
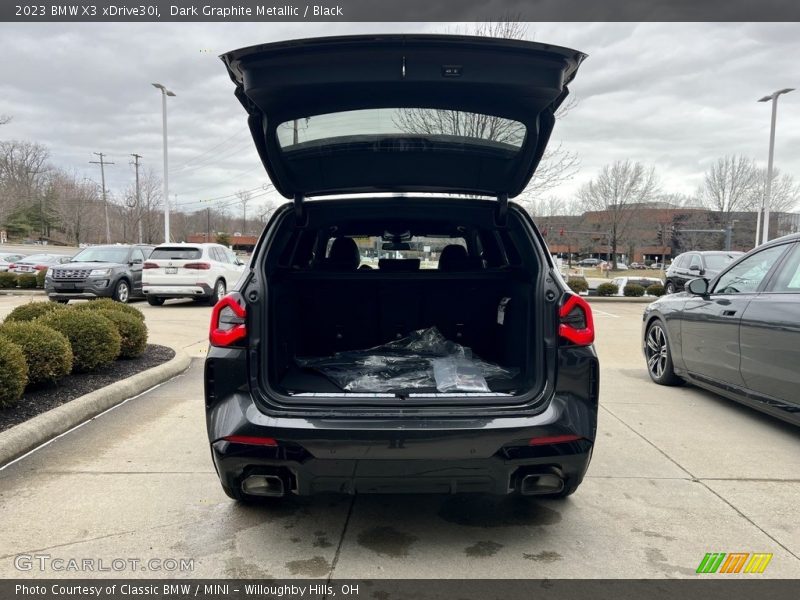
(734, 562)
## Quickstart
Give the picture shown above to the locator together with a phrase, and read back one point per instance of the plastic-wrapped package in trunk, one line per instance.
(423, 359)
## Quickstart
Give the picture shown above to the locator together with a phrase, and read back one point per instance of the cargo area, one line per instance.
(339, 288)
(317, 315)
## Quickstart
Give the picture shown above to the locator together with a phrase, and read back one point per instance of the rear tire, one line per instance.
(155, 301)
(59, 300)
(122, 292)
(670, 289)
(658, 355)
(217, 293)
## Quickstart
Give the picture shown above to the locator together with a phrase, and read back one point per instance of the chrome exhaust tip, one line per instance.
(541, 483)
(263, 485)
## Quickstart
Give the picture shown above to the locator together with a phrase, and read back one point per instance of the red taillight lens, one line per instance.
(198, 266)
(11, 266)
(576, 324)
(149, 265)
(251, 440)
(227, 322)
(553, 439)
(41, 267)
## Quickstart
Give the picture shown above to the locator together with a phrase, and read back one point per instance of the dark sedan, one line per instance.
(737, 334)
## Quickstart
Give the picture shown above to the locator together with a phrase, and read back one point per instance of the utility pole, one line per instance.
(208, 225)
(136, 158)
(103, 184)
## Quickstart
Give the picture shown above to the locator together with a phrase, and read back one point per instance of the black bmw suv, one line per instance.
(410, 334)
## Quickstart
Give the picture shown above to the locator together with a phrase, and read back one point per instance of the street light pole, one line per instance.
(164, 93)
(768, 191)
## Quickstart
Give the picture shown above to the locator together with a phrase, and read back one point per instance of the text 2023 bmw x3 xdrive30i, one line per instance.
(419, 340)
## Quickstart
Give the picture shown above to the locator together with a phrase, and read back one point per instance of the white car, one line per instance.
(200, 271)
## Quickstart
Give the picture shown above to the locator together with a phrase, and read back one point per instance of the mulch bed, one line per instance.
(40, 400)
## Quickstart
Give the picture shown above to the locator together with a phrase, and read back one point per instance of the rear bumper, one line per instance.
(199, 290)
(402, 455)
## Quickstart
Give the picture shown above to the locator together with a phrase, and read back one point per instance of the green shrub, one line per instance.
(40, 278)
(578, 284)
(655, 290)
(633, 290)
(94, 339)
(26, 281)
(8, 280)
(33, 310)
(132, 331)
(13, 372)
(607, 289)
(109, 304)
(47, 352)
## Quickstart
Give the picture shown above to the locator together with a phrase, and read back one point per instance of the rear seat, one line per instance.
(333, 316)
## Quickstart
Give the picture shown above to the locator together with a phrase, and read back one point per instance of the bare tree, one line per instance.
(22, 166)
(557, 164)
(730, 185)
(784, 193)
(76, 206)
(150, 201)
(617, 192)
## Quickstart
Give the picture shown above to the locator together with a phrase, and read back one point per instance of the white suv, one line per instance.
(200, 271)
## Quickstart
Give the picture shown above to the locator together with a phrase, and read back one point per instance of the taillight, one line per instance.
(576, 324)
(251, 440)
(554, 439)
(41, 267)
(198, 266)
(227, 322)
(149, 265)
(11, 266)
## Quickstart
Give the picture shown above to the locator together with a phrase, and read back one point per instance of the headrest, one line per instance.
(344, 255)
(455, 258)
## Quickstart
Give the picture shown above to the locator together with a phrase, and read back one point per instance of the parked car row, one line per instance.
(128, 271)
(31, 264)
(735, 330)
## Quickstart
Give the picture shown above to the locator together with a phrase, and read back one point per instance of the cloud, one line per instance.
(674, 95)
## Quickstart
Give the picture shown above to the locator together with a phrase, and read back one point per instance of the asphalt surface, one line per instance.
(677, 472)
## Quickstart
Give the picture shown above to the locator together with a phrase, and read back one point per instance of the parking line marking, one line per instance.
(602, 312)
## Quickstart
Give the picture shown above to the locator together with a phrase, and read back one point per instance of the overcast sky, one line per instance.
(675, 96)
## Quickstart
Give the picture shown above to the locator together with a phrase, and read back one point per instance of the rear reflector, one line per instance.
(149, 265)
(228, 322)
(576, 324)
(554, 439)
(198, 266)
(250, 440)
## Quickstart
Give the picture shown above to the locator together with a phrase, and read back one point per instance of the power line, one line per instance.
(226, 140)
(204, 162)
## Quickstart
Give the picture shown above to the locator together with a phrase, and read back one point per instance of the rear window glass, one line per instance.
(436, 125)
(426, 249)
(176, 253)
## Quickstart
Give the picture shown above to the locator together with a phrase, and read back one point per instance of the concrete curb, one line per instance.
(22, 292)
(621, 299)
(23, 438)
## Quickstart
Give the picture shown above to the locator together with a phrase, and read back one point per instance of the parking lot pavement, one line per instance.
(676, 473)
